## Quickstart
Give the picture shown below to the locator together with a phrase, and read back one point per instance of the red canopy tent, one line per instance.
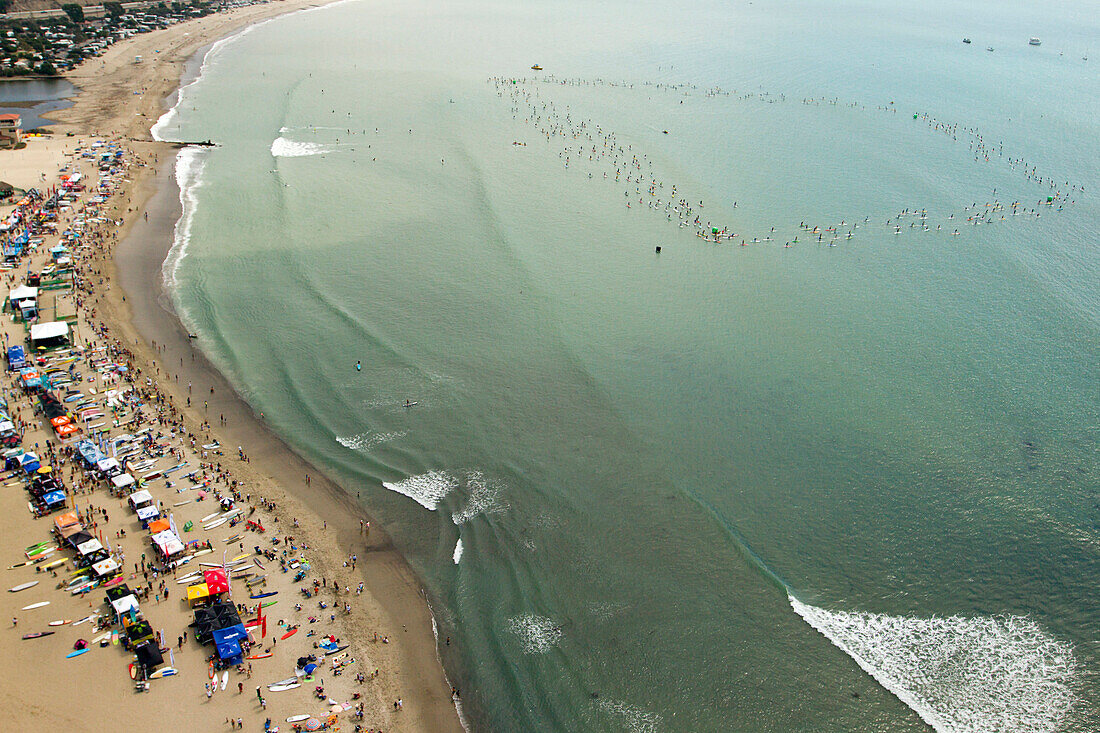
(216, 581)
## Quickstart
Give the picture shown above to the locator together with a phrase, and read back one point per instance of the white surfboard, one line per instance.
(225, 679)
(40, 604)
(280, 688)
(23, 586)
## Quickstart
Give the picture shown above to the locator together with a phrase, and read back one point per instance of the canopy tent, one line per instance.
(105, 567)
(159, 525)
(60, 420)
(216, 581)
(167, 542)
(106, 465)
(229, 651)
(54, 497)
(66, 521)
(123, 480)
(147, 512)
(66, 431)
(197, 594)
(149, 656)
(52, 331)
(23, 292)
(87, 548)
(6, 425)
(29, 462)
(138, 498)
(76, 539)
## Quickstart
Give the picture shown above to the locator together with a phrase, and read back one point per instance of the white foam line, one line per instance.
(537, 634)
(960, 675)
(427, 489)
(189, 169)
(458, 551)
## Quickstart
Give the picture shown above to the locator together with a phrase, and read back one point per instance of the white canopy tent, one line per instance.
(168, 542)
(123, 480)
(138, 498)
(105, 567)
(125, 604)
(50, 330)
(23, 292)
(87, 548)
(147, 512)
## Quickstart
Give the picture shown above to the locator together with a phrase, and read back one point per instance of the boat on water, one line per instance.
(988, 48)
(1033, 41)
(966, 40)
(536, 67)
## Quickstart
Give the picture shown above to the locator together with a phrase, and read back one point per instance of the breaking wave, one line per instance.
(283, 148)
(366, 441)
(189, 169)
(458, 551)
(537, 634)
(427, 489)
(961, 675)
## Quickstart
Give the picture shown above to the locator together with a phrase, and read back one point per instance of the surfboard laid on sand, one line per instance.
(265, 655)
(23, 586)
(268, 594)
(36, 634)
(163, 672)
(77, 653)
(296, 718)
(225, 680)
(36, 605)
(288, 634)
(59, 622)
(280, 688)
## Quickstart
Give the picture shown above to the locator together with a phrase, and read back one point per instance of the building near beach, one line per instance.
(10, 130)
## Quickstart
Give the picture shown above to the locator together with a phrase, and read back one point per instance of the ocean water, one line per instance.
(848, 484)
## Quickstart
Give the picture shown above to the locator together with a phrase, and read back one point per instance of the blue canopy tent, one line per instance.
(53, 498)
(29, 462)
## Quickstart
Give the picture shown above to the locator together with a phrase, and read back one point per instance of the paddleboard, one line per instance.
(264, 595)
(163, 672)
(23, 586)
(238, 558)
(61, 623)
(133, 671)
(260, 656)
(77, 653)
(86, 618)
(36, 634)
(288, 634)
(269, 603)
(260, 565)
(296, 718)
(234, 538)
(54, 564)
(114, 638)
(208, 517)
(36, 605)
(181, 503)
(225, 680)
(101, 637)
(215, 524)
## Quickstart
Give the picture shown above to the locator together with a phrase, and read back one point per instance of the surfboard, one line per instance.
(77, 653)
(208, 517)
(163, 672)
(61, 623)
(86, 618)
(269, 603)
(288, 634)
(23, 586)
(36, 605)
(280, 688)
(114, 638)
(234, 538)
(101, 637)
(54, 564)
(36, 634)
(202, 552)
(181, 503)
(265, 655)
(225, 680)
(296, 718)
(264, 595)
(215, 524)
(238, 558)
(133, 671)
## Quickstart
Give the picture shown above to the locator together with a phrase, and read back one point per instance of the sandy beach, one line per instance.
(122, 308)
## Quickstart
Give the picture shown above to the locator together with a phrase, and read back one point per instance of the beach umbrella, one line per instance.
(308, 669)
(313, 724)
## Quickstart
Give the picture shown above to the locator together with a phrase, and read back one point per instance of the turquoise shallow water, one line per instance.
(847, 487)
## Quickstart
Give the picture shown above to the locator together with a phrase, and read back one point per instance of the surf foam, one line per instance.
(483, 498)
(458, 551)
(190, 163)
(284, 148)
(537, 634)
(961, 675)
(366, 441)
(427, 489)
(635, 719)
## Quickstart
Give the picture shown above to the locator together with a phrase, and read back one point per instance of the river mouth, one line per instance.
(31, 99)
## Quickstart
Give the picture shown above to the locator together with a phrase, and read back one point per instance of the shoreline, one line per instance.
(140, 312)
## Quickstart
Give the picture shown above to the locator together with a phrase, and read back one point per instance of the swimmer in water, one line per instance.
(358, 366)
